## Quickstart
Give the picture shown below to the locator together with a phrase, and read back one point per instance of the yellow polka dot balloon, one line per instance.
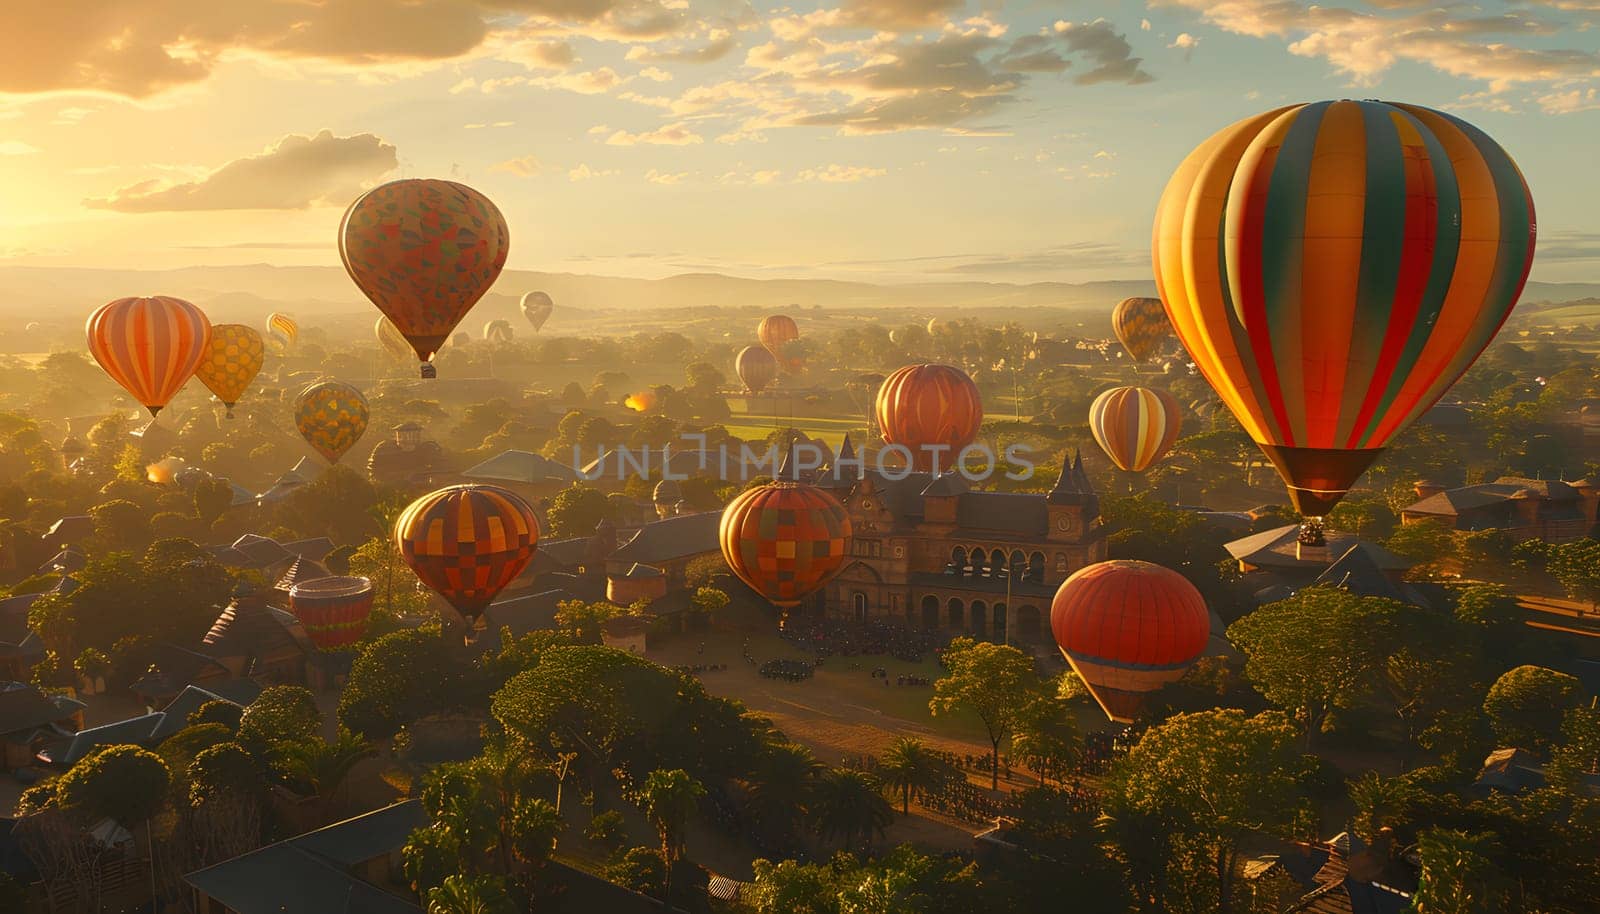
(230, 362)
(332, 416)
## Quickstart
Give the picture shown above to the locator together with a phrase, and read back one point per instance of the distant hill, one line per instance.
(245, 293)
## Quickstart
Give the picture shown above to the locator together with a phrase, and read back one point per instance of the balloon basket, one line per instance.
(429, 371)
(1311, 532)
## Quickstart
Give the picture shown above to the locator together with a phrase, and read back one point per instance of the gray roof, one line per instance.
(135, 730)
(520, 466)
(1278, 548)
(247, 627)
(365, 837)
(15, 636)
(1452, 502)
(23, 707)
(680, 537)
(70, 529)
(947, 485)
(175, 716)
(1358, 573)
(527, 613)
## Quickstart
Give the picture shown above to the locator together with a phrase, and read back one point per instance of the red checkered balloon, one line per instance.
(785, 539)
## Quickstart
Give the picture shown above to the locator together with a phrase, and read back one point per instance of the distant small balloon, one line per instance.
(497, 331)
(537, 308)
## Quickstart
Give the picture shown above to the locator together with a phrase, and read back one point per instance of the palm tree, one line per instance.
(848, 805)
(470, 895)
(322, 766)
(911, 769)
(669, 799)
(780, 788)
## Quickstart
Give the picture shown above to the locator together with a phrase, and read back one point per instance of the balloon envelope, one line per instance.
(1332, 268)
(334, 610)
(424, 251)
(331, 416)
(933, 410)
(776, 333)
(151, 346)
(1135, 426)
(537, 308)
(497, 331)
(468, 542)
(282, 330)
(785, 540)
(1141, 324)
(232, 358)
(757, 368)
(1128, 628)
(391, 339)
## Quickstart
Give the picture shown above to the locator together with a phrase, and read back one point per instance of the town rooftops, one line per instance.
(671, 539)
(1278, 549)
(73, 528)
(520, 466)
(524, 614)
(1453, 502)
(16, 638)
(1357, 572)
(24, 708)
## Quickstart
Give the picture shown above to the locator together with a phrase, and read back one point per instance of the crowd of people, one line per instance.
(787, 670)
(830, 637)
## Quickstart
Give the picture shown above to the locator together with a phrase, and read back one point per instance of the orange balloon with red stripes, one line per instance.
(468, 542)
(932, 410)
(151, 346)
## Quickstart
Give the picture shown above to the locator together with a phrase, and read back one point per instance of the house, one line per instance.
(1542, 509)
(667, 546)
(1342, 875)
(625, 633)
(254, 640)
(1358, 571)
(352, 867)
(1280, 552)
(29, 719)
(530, 475)
(406, 457)
(934, 553)
(147, 730)
(20, 648)
(522, 614)
(72, 530)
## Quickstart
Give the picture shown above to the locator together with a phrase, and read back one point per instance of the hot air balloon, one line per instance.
(151, 346)
(1135, 426)
(926, 407)
(424, 251)
(1141, 324)
(537, 308)
(756, 367)
(935, 325)
(776, 333)
(641, 402)
(232, 358)
(282, 331)
(331, 416)
(333, 610)
(785, 539)
(1332, 268)
(391, 339)
(31, 327)
(468, 542)
(1128, 628)
(497, 331)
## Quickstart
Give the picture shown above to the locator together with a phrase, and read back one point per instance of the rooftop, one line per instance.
(1279, 548)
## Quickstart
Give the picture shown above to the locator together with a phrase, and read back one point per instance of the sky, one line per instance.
(880, 140)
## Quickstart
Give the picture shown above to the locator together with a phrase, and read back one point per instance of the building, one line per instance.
(1543, 509)
(931, 552)
(406, 457)
(20, 648)
(533, 476)
(147, 730)
(29, 719)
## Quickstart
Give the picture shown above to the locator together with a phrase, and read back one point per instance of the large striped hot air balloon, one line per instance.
(1141, 324)
(333, 610)
(232, 358)
(785, 539)
(777, 332)
(757, 368)
(424, 251)
(282, 331)
(1128, 628)
(1332, 268)
(1135, 426)
(332, 416)
(932, 410)
(468, 542)
(151, 346)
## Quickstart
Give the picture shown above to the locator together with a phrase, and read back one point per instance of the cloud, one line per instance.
(1569, 245)
(1569, 102)
(482, 126)
(719, 43)
(840, 174)
(670, 135)
(583, 173)
(297, 173)
(16, 148)
(656, 74)
(1106, 49)
(661, 177)
(522, 167)
(542, 55)
(138, 48)
(587, 82)
(877, 15)
(1365, 44)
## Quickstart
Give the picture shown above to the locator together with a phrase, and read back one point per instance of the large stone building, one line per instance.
(1543, 509)
(932, 553)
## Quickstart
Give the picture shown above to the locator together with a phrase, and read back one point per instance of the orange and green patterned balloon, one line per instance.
(785, 539)
(1141, 324)
(230, 363)
(331, 416)
(468, 542)
(1333, 268)
(1135, 426)
(424, 251)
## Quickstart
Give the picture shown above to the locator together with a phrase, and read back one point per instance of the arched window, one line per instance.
(930, 611)
(958, 560)
(999, 624)
(979, 619)
(858, 601)
(1018, 564)
(955, 615)
(1036, 567)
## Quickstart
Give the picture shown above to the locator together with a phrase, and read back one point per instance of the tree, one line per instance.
(212, 498)
(704, 377)
(1217, 778)
(708, 601)
(337, 504)
(168, 595)
(584, 619)
(460, 894)
(908, 768)
(121, 524)
(642, 870)
(280, 714)
(319, 769)
(1316, 652)
(994, 681)
(1576, 566)
(401, 677)
(225, 769)
(1459, 875)
(669, 799)
(1427, 542)
(780, 785)
(217, 711)
(1527, 703)
(394, 584)
(1046, 738)
(790, 887)
(576, 511)
(123, 783)
(848, 806)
